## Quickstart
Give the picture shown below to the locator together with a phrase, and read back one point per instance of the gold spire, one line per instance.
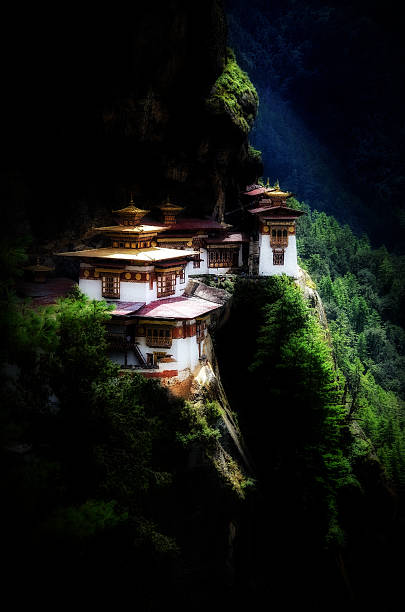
(168, 206)
(131, 215)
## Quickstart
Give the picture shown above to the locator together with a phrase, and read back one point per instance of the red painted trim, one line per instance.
(163, 374)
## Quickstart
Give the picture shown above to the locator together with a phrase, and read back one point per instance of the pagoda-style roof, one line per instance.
(130, 229)
(169, 207)
(151, 255)
(131, 214)
(276, 192)
(254, 190)
(177, 308)
(267, 191)
(278, 211)
(233, 238)
(131, 209)
(39, 268)
(199, 224)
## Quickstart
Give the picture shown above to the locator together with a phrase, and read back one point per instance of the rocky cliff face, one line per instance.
(148, 101)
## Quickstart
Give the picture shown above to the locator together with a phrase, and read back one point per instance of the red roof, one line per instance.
(126, 308)
(278, 211)
(177, 308)
(44, 294)
(236, 237)
(255, 192)
(196, 224)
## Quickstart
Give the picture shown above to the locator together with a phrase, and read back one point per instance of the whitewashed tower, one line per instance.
(276, 227)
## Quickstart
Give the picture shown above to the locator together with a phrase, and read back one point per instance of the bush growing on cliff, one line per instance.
(234, 95)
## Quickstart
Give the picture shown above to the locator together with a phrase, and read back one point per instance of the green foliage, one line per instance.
(101, 454)
(234, 96)
(289, 402)
(86, 520)
(254, 154)
(125, 449)
(147, 534)
(363, 293)
(197, 422)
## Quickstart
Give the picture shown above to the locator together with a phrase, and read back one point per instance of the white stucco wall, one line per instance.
(266, 267)
(183, 350)
(134, 292)
(91, 288)
(204, 269)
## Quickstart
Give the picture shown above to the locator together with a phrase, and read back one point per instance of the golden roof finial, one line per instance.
(277, 184)
(268, 182)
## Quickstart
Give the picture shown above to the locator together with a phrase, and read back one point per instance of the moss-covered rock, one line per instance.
(234, 95)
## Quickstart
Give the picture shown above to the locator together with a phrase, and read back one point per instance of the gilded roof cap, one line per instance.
(132, 211)
(275, 191)
(38, 267)
(170, 207)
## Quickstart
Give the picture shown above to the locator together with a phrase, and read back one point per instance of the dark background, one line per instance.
(330, 78)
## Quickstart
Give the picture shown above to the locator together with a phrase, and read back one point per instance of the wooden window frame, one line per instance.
(158, 336)
(223, 258)
(278, 236)
(110, 285)
(165, 283)
(278, 258)
(200, 328)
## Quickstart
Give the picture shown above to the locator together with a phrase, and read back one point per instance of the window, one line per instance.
(223, 258)
(182, 276)
(196, 262)
(166, 284)
(110, 285)
(200, 331)
(159, 336)
(278, 258)
(279, 237)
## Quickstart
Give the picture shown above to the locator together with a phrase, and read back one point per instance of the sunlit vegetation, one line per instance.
(234, 95)
(363, 293)
(289, 402)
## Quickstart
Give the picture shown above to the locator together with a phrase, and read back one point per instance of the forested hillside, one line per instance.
(363, 294)
(330, 79)
(323, 501)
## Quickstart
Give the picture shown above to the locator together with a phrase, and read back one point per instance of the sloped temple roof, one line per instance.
(278, 211)
(177, 308)
(152, 254)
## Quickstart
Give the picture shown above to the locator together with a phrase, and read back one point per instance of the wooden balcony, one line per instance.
(158, 342)
(279, 241)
